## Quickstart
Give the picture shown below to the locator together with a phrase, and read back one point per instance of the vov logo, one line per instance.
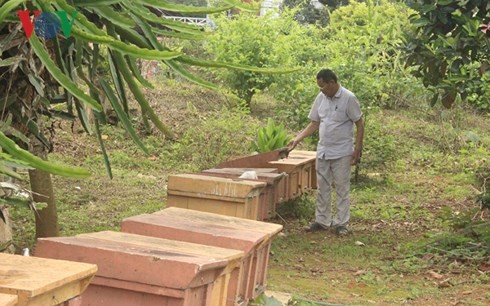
(47, 25)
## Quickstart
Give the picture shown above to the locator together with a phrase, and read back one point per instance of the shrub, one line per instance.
(268, 41)
(223, 135)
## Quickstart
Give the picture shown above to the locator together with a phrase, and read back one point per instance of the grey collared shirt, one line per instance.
(336, 116)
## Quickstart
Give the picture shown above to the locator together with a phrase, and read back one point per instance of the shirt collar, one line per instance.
(339, 92)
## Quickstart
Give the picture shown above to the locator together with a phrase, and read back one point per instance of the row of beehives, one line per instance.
(220, 191)
(172, 257)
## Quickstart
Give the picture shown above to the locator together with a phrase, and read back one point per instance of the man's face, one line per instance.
(329, 88)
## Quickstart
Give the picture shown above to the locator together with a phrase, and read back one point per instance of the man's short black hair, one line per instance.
(326, 75)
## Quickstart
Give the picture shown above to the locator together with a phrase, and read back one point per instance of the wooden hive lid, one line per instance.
(142, 259)
(270, 229)
(269, 176)
(29, 277)
(178, 224)
(213, 185)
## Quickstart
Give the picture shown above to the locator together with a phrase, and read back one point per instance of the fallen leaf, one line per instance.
(435, 275)
(466, 292)
(484, 267)
(359, 243)
(104, 137)
(445, 283)
(359, 272)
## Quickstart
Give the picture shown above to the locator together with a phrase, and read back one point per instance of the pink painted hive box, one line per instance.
(252, 237)
(218, 195)
(273, 194)
(137, 270)
(43, 282)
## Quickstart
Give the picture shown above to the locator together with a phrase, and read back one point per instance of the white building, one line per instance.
(268, 5)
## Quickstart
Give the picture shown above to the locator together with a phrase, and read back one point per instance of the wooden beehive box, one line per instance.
(43, 282)
(146, 271)
(8, 299)
(216, 195)
(274, 193)
(254, 238)
(310, 170)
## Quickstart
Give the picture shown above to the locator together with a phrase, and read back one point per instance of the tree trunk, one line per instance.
(5, 231)
(248, 97)
(42, 188)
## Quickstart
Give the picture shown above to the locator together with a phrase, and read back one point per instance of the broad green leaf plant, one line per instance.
(271, 137)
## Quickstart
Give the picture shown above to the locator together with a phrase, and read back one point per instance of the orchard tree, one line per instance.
(307, 13)
(450, 47)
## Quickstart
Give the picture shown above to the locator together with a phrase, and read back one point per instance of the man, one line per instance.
(333, 114)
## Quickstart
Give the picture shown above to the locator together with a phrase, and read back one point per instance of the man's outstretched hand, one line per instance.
(292, 144)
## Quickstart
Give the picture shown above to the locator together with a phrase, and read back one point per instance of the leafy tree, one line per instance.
(43, 71)
(267, 41)
(363, 47)
(451, 50)
(307, 13)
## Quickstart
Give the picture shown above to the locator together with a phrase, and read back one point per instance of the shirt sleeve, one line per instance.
(314, 115)
(353, 109)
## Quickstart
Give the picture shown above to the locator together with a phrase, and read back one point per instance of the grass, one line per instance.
(398, 206)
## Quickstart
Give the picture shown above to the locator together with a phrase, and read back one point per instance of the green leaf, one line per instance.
(82, 115)
(188, 36)
(115, 17)
(118, 84)
(9, 172)
(136, 72)
(107, 163)
(60, 76)
(270, 127)
(214, 64)
(16, 202)
(445, 2)
(90, 3)
(122, 115)
(125, 48)
(139, 96)
(36, 82)
(8, 7)
(434, 99)
(144, 13)
(80, 18)
(132, 36)
(34, 161)
(189, 76)
(172, 64)
(14, 60)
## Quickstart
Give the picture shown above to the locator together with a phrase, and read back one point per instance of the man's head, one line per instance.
(327, 81)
